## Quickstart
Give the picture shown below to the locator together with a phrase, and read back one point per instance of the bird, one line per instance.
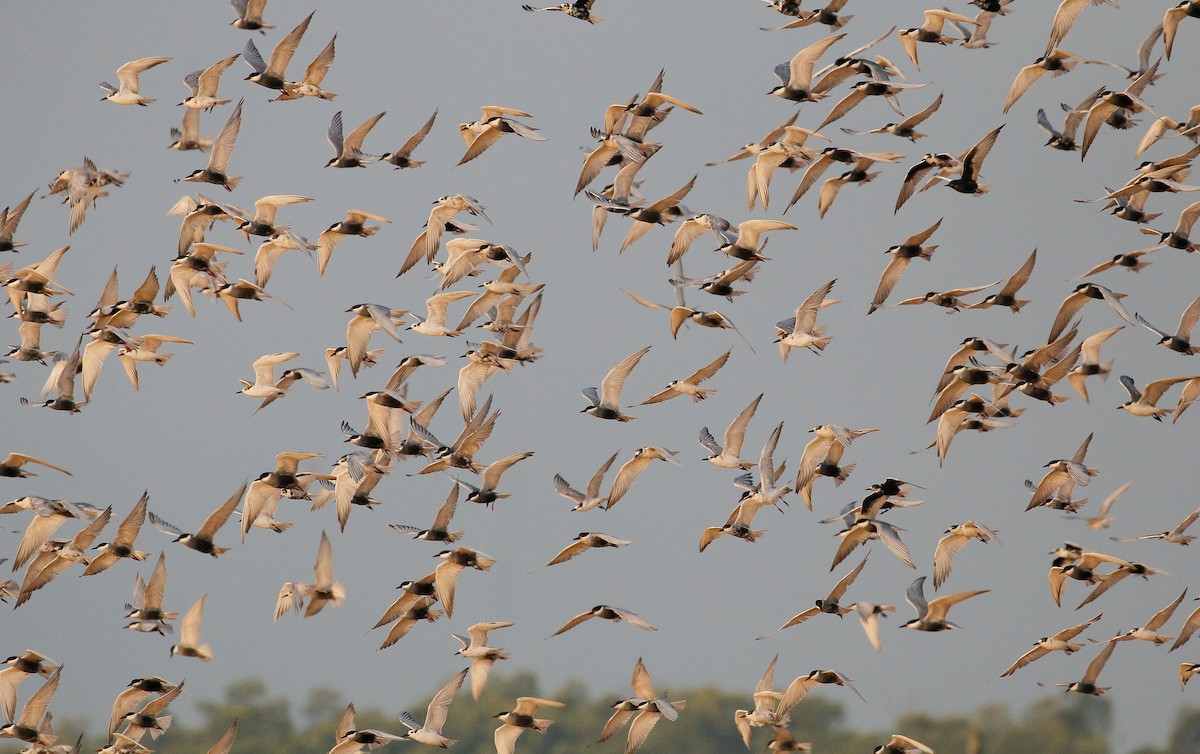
(949, 545)
(829, 604)
(453, 563)
(606, 402)
(10, 218)
(430, 732)
(1007, 296)
(324, 590)
(728, 454)
(272, 75)
(189, 634)
(149, 719)
(19, 668)
(202, 540)
(218, 158)
(1055, 61)
(1064, 19)
(899, 744)
(402, 157)
(950, 299)
(482, 656)
(250, 13)
(581, 9)
(1092, 365)
(967, 182)
(13, 463)
(633, 468)
(439, 530)
(355, 224)
(1101, 520)
(347, 152)
(1109, 102)
(802, 331)
(765, 704)
(314, 75)
(187, 136)
(1087, 684)
(907, 128)
(1063, 475)
(591, 498)
(264, 375)
(1059, 642)
(930, 31)
(1083, 569)
(203, 85)
(496, 121)
(645, 217)
(485, 493)
(49, 515)
(1179, 238)
(1149, 631)
(441, 217)
(1174, 536)
(1144, 402)
(27, 727)
(585, 541)
(514, 722)
(931, 616)
(461, 452)
(607, 612)
(56, 557)
(129, 699)
(796, 75)
(690, 385)
(146, 607)
(1171, 19)
(901, 255)
(644, 707)
(869, 615)
(1180, 342)
(1078, 298)
(129, 93)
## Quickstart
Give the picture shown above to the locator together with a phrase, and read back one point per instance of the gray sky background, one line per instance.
(189, 439)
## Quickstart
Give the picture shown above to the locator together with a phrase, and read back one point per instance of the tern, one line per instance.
(127, 75)
(202, 540)
(606, 402)
(272, 75)
(931, 616)
(482, 656)
(430, 732)
(591, 498)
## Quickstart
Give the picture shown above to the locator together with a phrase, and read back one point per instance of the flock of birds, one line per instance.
(973, 392)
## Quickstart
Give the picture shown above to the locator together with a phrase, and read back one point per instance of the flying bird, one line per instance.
(931, 616)
(129, 92)
(614, 614)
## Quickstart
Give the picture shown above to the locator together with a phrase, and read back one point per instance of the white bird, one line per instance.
(949, 545)
(931, 616)
(189, 634)
(264, 375)
(1059, 642)
(606, 402)
(728, 454)
(632, 469)
(516, 721)
(347, 152)
(482, 656)
(203, 85)
(127, 75)
(430, 732)
(314, 75)
(592, 498)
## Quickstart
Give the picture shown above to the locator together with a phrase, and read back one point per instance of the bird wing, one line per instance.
(189, 627)
(1097, 664)
(315, 72)
(800, 67)
(439, 706)
(574, 622)
(218, 518)
(940, 606)
(128, 73)
(418, 137)
(283, 52)
(353, 142)
(222, 148)
(614, 381)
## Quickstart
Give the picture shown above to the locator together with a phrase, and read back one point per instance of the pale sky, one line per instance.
(190, 440)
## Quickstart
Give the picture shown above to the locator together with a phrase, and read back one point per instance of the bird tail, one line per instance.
(160, 726)
(279, 527)
(204, 652)
(219, 551)
(702, 393)
(232, 181)
(541, 725)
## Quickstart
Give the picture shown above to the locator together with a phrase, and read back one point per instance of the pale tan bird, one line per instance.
(146, 606)
(585, 541)
(1007, 295)
(497, 290)
(430, 732)
(648, 706)
(324, 590)
(606, 401)
(829, 604)
(660, 212)
(1087, 684)
(273, 75)
(1064, 19)
(129, 92)
(314, 75)
(149, 719)
(203, 85)
(202, 540)
(930, 31)
(1083, 569)
(799, 688)
(402, 157)
(367, 319)
(1055, 61)
(899, 744)
(591, 498)
(868, 615)
(218, 159)
(10, 218)
(144, 350)
(453, 563)
(607, 612)
(907, 128)
(1110, 102)
(1186, 671)
(1171, 19)
(1144, 402)
(796, 75)
(1059, 642)
(728, 454)
(802, 331)
(250, 15)
(864, 89)
(521, 717)
(28, 726)
(439, 530)
(129, 699)
(19, 668)
(49, 515)
(495, 122)
(355, 224)
(690, 385)
(949, 299)
(440, 221)
(912, 248)
(189, 634)
(1164, 124)
(122, 544)
(949, 545)
(1063, 475)
(1149, 631)
(482, 656)
(1102, 520)
(187, 136)
(931, 616)
(1092, 364)
(632, 469)
(55, 557)
(1190, 624)
(788, 152)
(12, 465)
(461, 452)
(830, 155)
(347, 152)
(765, 702)
(1174, 536)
